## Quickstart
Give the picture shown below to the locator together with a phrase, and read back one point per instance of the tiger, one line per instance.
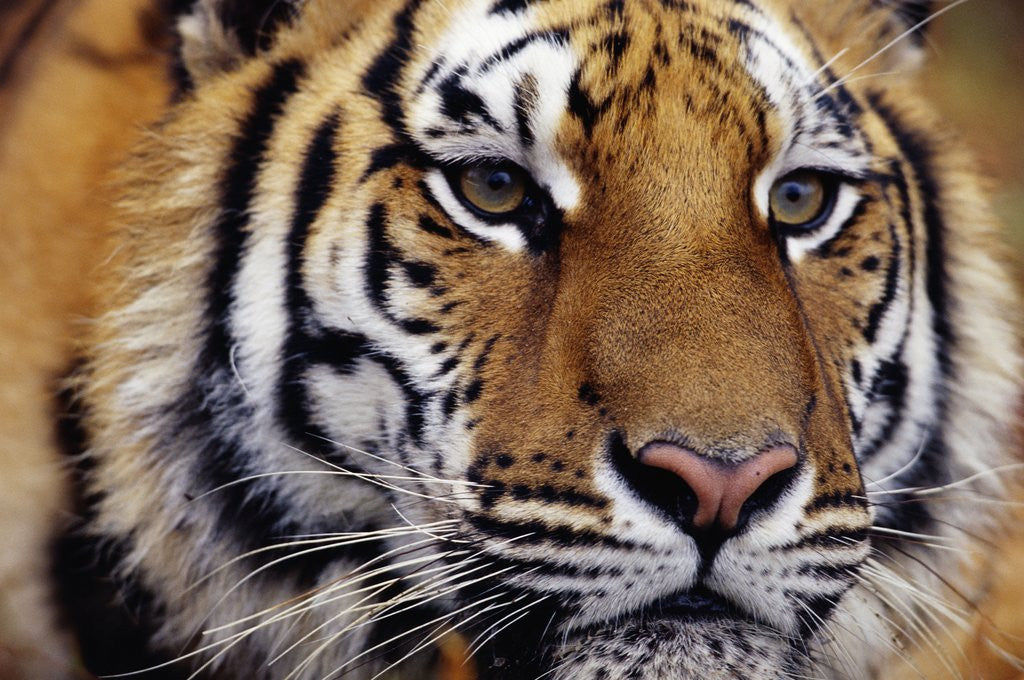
(575, 339)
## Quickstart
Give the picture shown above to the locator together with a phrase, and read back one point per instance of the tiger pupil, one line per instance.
(499, 180)
(795, 193)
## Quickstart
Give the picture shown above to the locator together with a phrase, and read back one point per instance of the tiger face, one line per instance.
(586, 329)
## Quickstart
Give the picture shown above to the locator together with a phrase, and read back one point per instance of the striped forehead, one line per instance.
(494, 87)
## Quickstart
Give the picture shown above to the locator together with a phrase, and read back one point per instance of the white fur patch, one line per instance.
(471, 58)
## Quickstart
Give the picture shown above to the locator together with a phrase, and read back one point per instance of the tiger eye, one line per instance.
(799, 199)
(496, 190)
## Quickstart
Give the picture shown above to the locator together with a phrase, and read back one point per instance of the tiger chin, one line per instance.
(611, 339)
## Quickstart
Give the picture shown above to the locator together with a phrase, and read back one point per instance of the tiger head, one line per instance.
(616, 336)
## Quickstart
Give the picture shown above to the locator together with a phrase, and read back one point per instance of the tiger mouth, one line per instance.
(696, 604)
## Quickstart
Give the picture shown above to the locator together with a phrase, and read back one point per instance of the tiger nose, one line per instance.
(721, 488)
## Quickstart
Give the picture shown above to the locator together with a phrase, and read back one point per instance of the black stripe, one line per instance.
(832, 538)
(432, 227)
(461, 105)
(538, 532)
(892, 282)
(448, 366)
(414, 399)
(908, 12)
(216, 398)
(237, 190)
(381, 79)
(418, 326)
(254, 514)
(338, 349)
(582, 107)
(525, 96)
(318, 174)
(918, 152)
(889, 383)
(421, 274)
(392, 155)
(559, 36)
(254, 22)
(930, 469)
(819, 608)
(378, 258)
(511, 6)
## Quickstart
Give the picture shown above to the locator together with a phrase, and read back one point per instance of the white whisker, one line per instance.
(892, 43)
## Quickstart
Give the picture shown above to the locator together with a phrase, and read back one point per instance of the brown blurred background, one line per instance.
(976, 71)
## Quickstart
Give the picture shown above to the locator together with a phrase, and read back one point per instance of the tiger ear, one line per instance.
(912, 14)
(217, 35)
(895, 36)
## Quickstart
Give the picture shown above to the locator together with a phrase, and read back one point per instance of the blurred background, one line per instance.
(976, 75)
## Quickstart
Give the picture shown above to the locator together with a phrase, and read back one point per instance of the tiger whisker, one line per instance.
(891, 603)
(343, 583)
(924, 632)
(427, 642)
(334, 473)
(828, 64)
(909, 534)
(332, 639)
(956, 591)
(822, 626)
(379, 611)
(225, 644)
(252, 574)
(407, 468)
(968, 496)
(233, 363)
(927, 491)
(1015, 661)
(412, 524)
(304, 606)
(331, 541)
(477, 643)
(854, 79)
(954, 614)
(307, 604)
(367, 477)
(903, 468)
(375, 615)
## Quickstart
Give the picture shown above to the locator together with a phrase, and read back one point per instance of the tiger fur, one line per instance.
(331, 415)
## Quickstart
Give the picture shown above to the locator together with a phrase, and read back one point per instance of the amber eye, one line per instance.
(802, 200)
(494, 189)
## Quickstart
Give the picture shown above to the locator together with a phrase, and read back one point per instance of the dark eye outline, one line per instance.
(830, 181)
(534, 199)
(537, 217)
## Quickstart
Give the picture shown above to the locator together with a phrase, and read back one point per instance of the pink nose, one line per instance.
(721, 488)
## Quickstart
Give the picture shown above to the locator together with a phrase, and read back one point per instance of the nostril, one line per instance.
(707, 478)
(767, 494)
(661, 488)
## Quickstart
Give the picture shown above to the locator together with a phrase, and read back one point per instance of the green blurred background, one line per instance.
(976, 74)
